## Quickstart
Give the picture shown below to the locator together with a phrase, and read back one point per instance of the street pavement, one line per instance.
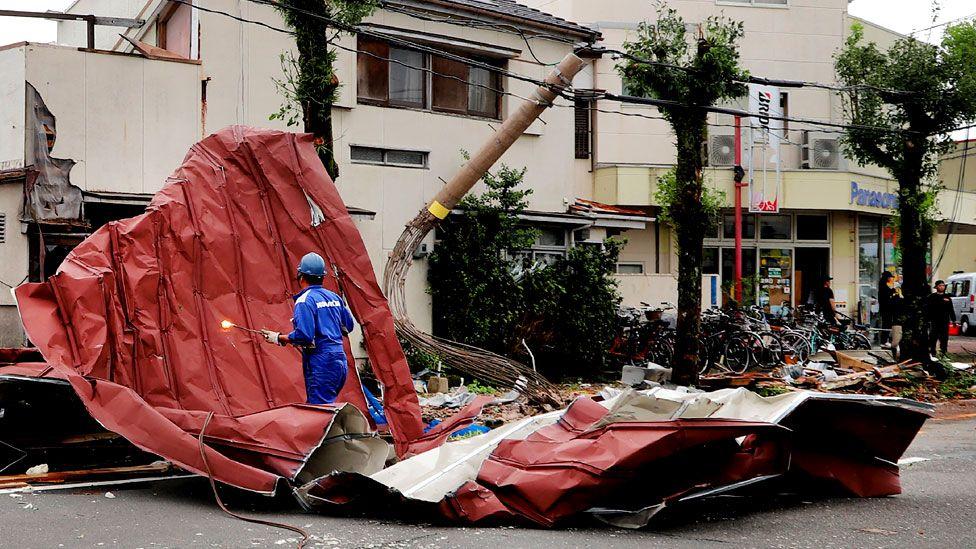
(937, 509)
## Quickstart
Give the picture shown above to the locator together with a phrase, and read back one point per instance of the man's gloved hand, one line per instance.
(271, 337)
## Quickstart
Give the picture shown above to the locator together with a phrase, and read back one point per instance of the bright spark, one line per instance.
(226, 324)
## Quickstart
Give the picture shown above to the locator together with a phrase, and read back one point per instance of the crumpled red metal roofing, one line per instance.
(132, 318)
(623, 469)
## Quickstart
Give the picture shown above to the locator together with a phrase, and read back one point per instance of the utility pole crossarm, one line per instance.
(91, 20)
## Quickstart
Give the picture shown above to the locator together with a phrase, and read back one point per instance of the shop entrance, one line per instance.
(812, 266)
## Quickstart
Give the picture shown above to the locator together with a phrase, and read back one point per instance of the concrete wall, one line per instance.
(241, 61)
(13, 69)
(127, 121)
(649, 288)
(960, 254)
(788, 43)
(957, 169)
(75, 33)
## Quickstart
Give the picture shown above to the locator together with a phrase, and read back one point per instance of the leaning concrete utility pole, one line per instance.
(464, 358)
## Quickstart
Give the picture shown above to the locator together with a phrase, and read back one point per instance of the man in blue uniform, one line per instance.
(321, 320)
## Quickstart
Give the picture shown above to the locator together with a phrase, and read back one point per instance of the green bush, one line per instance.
(485, 294)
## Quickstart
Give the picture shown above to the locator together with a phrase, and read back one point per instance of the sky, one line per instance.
(900, 15)
(907, 16)
(17, 29)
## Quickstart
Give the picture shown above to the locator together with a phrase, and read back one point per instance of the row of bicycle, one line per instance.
(735, 340)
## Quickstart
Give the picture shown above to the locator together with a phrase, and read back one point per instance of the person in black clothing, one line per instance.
(897, 307)
(886, 292)
(825, 302)
(939, 311)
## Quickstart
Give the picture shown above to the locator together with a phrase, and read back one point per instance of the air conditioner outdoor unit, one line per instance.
(721, 150)
(821, 151)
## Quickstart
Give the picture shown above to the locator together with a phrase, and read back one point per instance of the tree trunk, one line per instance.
(690, 223)
(318, 122)
(319, 84)
(914, 238)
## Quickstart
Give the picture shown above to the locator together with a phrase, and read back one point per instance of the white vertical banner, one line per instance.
(765, 137)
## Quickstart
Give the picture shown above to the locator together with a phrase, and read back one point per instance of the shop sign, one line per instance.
(872, 199)
(765, 136)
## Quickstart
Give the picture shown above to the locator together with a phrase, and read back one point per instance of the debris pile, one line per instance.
(606, 458)
(131, 325)
(862, 372)
(133, 321)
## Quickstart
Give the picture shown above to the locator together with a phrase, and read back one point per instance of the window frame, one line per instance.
(639, 264)
(796, 227)
(425, 86)
(583, 127)
(791, 218)
(385, 151)
(496, 82)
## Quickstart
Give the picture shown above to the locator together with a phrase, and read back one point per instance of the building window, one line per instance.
(812, 227)
(174, 29)
(407, 87)
(582, 116)
(748, 227)
(775, 227)
(630, 268)
(710, 263)
(550, 245)
(388, 157)
(398, 77)
(784, 102)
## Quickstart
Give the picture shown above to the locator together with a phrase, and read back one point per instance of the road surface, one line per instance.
(937, 509)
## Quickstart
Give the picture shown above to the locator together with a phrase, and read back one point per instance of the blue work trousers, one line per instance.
(325, 374)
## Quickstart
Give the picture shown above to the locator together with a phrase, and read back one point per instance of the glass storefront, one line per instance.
(877, 251)
(781, 254)
(775, 278)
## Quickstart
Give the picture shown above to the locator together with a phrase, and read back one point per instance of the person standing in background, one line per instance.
(940, 312)
(886, 291)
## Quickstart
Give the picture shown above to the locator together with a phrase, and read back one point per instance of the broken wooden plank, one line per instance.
(62, 476)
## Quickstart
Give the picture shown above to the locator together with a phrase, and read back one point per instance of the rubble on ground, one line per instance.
(603, 458)
(860, 372)
(129, 327)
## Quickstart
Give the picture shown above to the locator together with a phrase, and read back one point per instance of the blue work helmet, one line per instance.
(312, 265)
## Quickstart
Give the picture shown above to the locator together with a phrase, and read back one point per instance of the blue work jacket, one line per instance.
(321, 318)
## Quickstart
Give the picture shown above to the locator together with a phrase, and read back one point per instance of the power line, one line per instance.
(493, 68)
(737, 112)
(398, 41)
(754, 79)
(751, 80)
(956, 204)
(476, 24)
(944, 23)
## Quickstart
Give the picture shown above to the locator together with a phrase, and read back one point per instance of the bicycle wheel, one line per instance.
(797, 344)
(741, 351)
(708, 354)
(661, 352)
(859, 341)
(773, 350)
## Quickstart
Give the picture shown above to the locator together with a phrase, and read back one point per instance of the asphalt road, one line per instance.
(937, 509)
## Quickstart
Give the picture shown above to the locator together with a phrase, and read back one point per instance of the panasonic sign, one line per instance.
(872, 199)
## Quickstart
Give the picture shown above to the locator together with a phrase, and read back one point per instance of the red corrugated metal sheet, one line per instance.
(623, 469)
(132, 319)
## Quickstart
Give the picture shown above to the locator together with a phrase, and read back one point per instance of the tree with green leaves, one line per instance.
(902, 105)
(489, 293)
(699, 71)
(309, 85)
